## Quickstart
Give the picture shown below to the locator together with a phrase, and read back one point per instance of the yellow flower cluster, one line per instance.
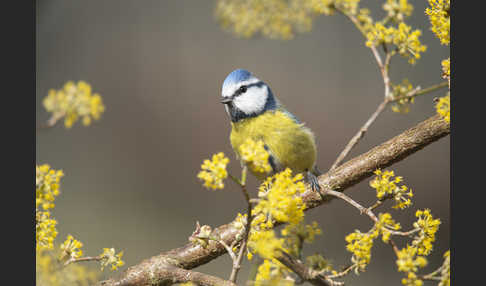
(46, 186)
(408, 261)
(108, 257)
(405, 40)
(329, 7)
(45, 230)
(214, 172)
(446, 68)
(398, 10)
(445, 274)
(365, 21)
(386, 187)
(46, 189)
(280, 200)
(443, 107)
(360, 244)
(72, 102)
(400, 90)
(384, 224)
(265, 243)
(272, 274)
(71, 248)
(50, 271)
(428, 227)
(275, 19)
(412, 257)
(255, 156)
(439, 16)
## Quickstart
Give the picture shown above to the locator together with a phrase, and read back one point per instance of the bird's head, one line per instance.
(246, 96)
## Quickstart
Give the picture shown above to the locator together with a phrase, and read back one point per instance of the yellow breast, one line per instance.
(290, 143)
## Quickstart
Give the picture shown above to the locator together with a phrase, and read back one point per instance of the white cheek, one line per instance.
(253, 100)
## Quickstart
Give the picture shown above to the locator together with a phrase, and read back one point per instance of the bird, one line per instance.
(256, 113)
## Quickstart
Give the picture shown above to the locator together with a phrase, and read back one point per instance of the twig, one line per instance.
(359, 135)
(229, 249)
(413, 93)
(366, 211)
(239, 259)
(342, 273)
(416, 92)
(394, 246)
(82, 259)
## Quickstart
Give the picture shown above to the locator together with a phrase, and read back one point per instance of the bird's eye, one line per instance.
(243, 89)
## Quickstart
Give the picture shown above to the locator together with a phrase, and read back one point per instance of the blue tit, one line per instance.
(257, 114)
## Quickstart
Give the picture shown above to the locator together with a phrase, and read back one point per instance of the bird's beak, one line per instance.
(226, 100)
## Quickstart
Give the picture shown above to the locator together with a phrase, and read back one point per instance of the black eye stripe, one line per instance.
(240, 91)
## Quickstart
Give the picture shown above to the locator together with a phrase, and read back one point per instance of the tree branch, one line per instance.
(158, 269)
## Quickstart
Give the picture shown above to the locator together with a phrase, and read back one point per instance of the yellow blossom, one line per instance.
(46, 186)
(108, 257)
(426, 236)
(279, 198)
(47, 182)
(275, 19)
(265, 243)
(445, 274)
(360, 244)
(405, 40)
(443, 107)
(50, 271)
(272, 273)
(402, 90)
(255, 156)
(71, 248)
(409, 261)
(439, 16)
(328, 7)
(72, 102)
(214, 172)
(365, 20)
(446, 67)
(385, 223)
(386, 187)
(45, 230)
(398, 10)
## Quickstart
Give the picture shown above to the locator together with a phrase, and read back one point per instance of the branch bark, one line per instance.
(164, 268)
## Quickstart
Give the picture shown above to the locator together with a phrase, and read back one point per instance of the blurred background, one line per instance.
(130, 178)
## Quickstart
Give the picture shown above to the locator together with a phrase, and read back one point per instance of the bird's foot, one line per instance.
(314, 182)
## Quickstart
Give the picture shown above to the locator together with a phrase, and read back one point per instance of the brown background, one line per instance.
(131, 177)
